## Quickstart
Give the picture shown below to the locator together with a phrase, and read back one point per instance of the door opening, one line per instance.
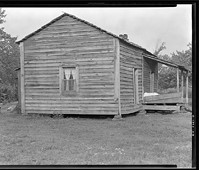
(135, 86)
(151, 82)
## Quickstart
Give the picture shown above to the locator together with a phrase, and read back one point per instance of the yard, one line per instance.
(153, 138)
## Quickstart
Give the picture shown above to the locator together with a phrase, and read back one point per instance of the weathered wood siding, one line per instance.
(148, 66)
(69, 40)
(130, 58)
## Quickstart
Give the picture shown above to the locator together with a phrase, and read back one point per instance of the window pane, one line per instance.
(68, 81)
(67, 73)
(73, 73)
(71, 84)
(65, 85)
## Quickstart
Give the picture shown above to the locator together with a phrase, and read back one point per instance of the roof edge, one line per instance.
(41, 28)
(81, 20)
(92, 25)
(172, 64)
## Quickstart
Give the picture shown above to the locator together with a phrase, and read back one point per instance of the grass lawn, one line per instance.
(141, 139)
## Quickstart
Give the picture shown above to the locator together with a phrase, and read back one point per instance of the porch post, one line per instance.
(187, 87)
(117, 76)
(182, 90)
(177, 80)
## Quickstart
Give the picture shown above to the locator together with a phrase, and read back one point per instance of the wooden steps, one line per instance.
(162, 107)
(172, 101)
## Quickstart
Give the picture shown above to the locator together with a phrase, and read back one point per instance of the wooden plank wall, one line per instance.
(129, 58)
(148, 66)
(69, 40)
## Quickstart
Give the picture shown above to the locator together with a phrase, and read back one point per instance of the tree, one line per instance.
(9, 59)
(2, 16)
(184, 58)
(159, 48)
(167, 75)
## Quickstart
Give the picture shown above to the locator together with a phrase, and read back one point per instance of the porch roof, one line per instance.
(168, 63)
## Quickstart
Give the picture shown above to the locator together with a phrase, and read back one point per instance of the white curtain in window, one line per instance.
(68, 71)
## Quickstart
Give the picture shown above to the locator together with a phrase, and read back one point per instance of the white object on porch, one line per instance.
(150, 94)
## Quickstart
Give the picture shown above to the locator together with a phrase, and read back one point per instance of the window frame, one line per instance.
(61, 75)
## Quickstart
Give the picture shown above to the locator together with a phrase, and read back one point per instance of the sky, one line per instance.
(147, 27)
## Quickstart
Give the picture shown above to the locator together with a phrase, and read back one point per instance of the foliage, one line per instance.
(9, 61)
(159, 49)
(8, 93)
(174, 90)
(2, 16)
(167, 78)
(184, 58)
(168, 75)
(9, 58)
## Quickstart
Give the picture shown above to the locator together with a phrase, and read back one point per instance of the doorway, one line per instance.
(151, 82)
(135, 86)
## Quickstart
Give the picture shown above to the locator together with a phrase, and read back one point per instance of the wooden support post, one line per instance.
(182, 88)
(186, 87)
(157, 75)
(134, 95)
(117, 75)
(142, 78)
(177, 80)
(22, 78)
(136, 87)
(19, 88)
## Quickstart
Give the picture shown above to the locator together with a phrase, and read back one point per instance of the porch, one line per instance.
(172, 101)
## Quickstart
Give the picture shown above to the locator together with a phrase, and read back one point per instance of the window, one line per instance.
(68, 80)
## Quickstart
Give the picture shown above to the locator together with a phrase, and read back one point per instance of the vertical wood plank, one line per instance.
(19, 87)
(21, 46)
(134, 89)
(187, 87)
(117, 75)
(60, 79)
(153, 79)
(157, 76)
(142, 77)
(77, 78)
(177, 72)
(182, 88)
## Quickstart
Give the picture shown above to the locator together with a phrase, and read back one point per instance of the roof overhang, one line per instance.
(165, 62)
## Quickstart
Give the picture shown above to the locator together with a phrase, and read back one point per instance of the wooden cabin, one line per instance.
(70, 66)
